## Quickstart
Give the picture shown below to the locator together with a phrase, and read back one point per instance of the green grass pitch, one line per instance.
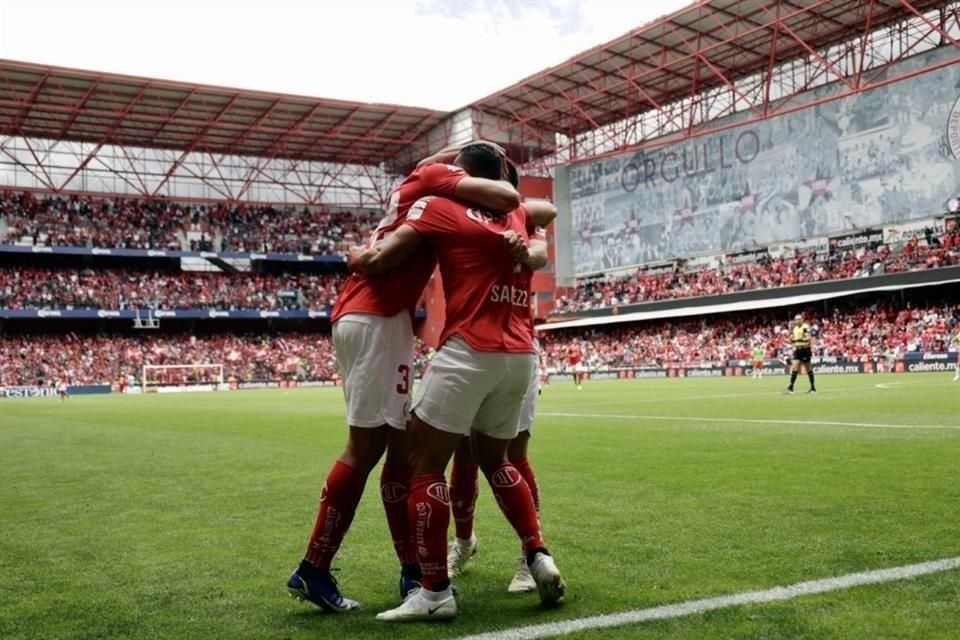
(181, 516)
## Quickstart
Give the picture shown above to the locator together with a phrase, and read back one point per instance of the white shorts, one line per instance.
(375, 358)
(528, 410)
(465, 388)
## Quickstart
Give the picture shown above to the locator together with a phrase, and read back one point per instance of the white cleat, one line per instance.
(460, 552)
(550, 584)
(423, 605)
(522, 581)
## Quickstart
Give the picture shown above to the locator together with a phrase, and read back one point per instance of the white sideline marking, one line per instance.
(812, 423)
(693, 607)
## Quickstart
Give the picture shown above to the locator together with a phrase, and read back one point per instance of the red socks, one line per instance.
(523, 466)
(515, 500)
(429, 509)
(464, 488)
(394, 490)
(338, 503)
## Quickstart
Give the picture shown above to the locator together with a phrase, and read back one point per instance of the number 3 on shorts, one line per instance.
(404, 387)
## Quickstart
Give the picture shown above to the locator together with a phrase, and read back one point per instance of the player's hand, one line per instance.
(353, 257)
(516, 245)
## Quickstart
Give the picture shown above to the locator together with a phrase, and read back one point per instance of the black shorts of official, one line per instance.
(802, 354)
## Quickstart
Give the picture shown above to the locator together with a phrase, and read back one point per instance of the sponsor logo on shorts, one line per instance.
(393, 492)
(506, 477)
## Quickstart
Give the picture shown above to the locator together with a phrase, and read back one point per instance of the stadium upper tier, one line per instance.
(91, 221)
(45, 288)
(802, 267)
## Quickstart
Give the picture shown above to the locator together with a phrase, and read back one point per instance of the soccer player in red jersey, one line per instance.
(475, 384)
(575, 363)
(373, 338)
(464, 473)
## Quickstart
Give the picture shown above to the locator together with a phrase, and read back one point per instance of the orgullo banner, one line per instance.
(883, 157)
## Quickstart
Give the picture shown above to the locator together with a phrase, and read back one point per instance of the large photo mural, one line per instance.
(885, 156)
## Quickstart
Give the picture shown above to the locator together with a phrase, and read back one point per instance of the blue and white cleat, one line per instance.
(319, 587)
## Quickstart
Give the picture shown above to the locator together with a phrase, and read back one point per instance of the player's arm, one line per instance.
(450, 153)
(498, 195)
(536, 254)
(532, 254)
(542, 212)
(387, 255)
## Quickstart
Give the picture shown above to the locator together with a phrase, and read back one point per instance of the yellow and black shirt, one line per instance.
(801, 336)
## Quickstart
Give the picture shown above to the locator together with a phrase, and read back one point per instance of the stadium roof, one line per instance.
(706, 45)
(709, 44)
(102, 108)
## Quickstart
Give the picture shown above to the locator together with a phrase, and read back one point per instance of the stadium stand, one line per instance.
(145, 288)
(846, 333)
(803, 268)
(91, 221)
(39, 359)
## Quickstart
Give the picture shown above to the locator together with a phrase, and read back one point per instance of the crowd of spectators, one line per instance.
(866, 332)
(107, 359)
(88, 221)
(715, 340)
(46, 288)
(767, 272)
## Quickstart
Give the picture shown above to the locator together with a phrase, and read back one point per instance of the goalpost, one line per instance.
(201, 377)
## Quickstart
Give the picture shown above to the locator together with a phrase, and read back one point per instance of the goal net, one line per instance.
(187, 377)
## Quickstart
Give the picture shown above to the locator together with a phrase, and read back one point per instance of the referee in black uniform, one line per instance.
(802, 352)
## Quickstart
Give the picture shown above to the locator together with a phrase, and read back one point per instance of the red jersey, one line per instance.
(388, 294)
(574, 355)
(487, 292)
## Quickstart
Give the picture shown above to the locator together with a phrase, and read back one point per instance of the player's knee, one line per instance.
(365, 447)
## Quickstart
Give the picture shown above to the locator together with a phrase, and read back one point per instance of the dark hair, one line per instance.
(513, 176)
(481, 161)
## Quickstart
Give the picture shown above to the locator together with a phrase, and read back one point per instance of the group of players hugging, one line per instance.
(459, 210)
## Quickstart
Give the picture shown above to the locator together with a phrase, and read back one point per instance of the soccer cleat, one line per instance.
(320, 588)
(811, 391)
(788, 391)
(522, 581)
(423, 605)
(460, 552)
(550, 584)
(408, 586)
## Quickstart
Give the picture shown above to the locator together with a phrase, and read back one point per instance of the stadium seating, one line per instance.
(100, 359)
(769, 272)
(46, 288)
(91, 221)
(864, 332)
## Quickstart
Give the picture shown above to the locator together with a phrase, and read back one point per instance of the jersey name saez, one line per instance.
(487, 292)
(399, 290)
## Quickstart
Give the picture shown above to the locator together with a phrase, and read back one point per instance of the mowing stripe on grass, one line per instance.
(694, 607)
(811, 423)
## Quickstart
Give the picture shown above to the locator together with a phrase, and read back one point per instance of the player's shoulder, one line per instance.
(438, 170)
(433, 204)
